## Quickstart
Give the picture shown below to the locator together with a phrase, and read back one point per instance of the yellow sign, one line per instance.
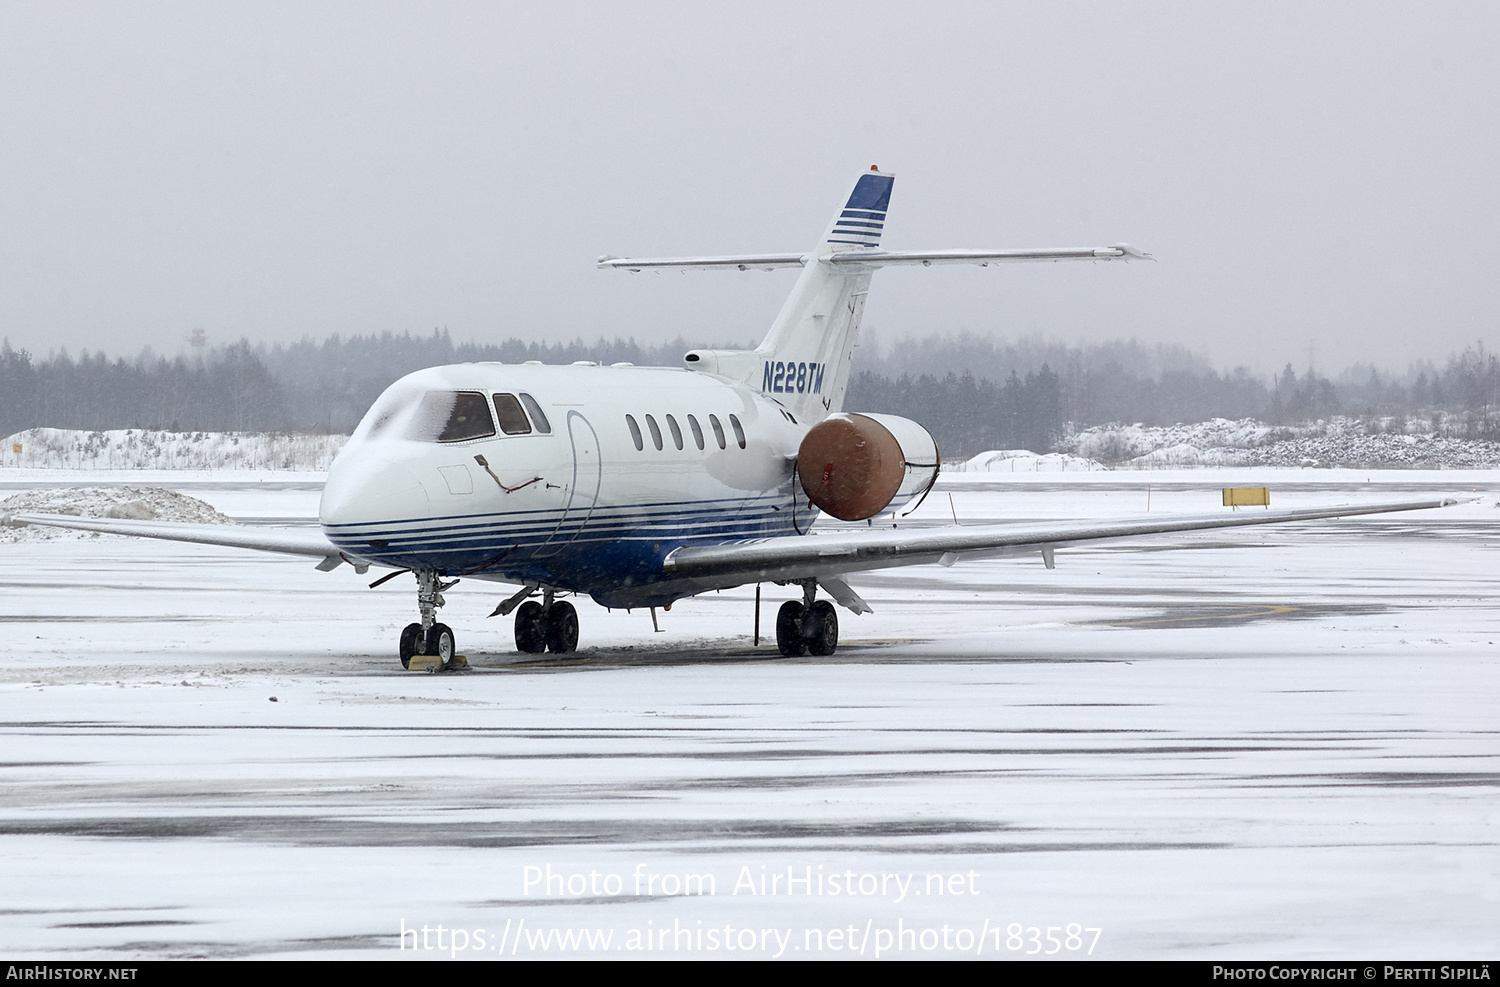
(1247, 496)
(15, 447)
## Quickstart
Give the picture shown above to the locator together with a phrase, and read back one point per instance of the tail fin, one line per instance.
(805, 359)
(862, 219)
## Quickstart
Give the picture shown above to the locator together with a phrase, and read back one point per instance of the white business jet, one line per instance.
(640, 486)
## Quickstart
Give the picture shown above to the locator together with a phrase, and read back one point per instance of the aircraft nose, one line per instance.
(362, 490)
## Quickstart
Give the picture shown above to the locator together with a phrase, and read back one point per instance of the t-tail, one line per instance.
(804, 361)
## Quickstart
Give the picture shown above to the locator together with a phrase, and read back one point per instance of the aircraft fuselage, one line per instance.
(591, 475)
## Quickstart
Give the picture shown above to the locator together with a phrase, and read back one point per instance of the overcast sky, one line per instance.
(1321, 175)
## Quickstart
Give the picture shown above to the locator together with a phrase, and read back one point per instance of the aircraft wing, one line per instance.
(818, 555)
(288, 541)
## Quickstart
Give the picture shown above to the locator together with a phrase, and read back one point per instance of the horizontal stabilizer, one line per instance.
(873, 259)
(927, 258)
(744, 262)
(817, 330)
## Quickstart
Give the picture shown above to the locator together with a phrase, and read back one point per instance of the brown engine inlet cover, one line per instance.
(850, 466)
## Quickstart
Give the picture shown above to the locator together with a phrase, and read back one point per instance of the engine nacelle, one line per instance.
(857, 466)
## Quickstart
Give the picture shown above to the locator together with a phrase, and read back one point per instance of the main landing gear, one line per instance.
(428, 638)
(807, 627)
(546, 626)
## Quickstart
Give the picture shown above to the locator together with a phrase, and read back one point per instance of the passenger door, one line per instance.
(583, 492)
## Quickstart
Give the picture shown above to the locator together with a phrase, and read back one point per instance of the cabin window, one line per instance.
(739, 433)
(635, 432)
(512, 418)
(655, 432)
(452, 416)
(538, 417)
(676, 432)
(697, 432)
(713, 421)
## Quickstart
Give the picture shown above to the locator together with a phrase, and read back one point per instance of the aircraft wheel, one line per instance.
(562, 628)
(411, 643)
(440, 642)
(789, 638)
(820, 626)
(531, 628)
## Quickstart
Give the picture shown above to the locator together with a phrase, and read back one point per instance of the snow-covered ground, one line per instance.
(1268, 743)
(1337, 442)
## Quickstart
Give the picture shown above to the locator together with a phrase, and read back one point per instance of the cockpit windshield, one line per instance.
(451, 416)
(413, 412)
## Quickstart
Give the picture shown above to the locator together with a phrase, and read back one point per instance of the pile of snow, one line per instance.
(130, 503)
(139, 448)
(1186, 454)
(1337, 442)
(1026, 461)
(1124, 443)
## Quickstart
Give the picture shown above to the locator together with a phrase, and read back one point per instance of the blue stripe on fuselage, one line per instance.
(626, 551)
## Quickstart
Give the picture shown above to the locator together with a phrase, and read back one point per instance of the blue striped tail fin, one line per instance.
(861, 221)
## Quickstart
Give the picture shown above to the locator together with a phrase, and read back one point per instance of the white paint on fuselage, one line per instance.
(602, 513)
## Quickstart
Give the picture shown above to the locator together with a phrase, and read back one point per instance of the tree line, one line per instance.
(973, 394)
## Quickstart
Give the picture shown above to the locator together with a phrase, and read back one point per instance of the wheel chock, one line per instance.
(432, 663)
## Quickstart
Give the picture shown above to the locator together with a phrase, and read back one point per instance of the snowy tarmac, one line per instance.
(1269, 743)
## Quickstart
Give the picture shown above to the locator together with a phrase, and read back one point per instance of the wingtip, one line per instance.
(1134, 252)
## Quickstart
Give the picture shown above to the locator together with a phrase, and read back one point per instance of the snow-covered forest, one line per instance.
(974, 394)
(1337, 442)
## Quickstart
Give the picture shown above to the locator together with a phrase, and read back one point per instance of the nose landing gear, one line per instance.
(428, 638)
(436, 643)
(807, 627)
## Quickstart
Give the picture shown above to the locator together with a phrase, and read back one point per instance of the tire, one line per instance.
(562, 628)
(440, 642)
(411, 643)
(820, 628)
(531, 628)
(789, 639)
